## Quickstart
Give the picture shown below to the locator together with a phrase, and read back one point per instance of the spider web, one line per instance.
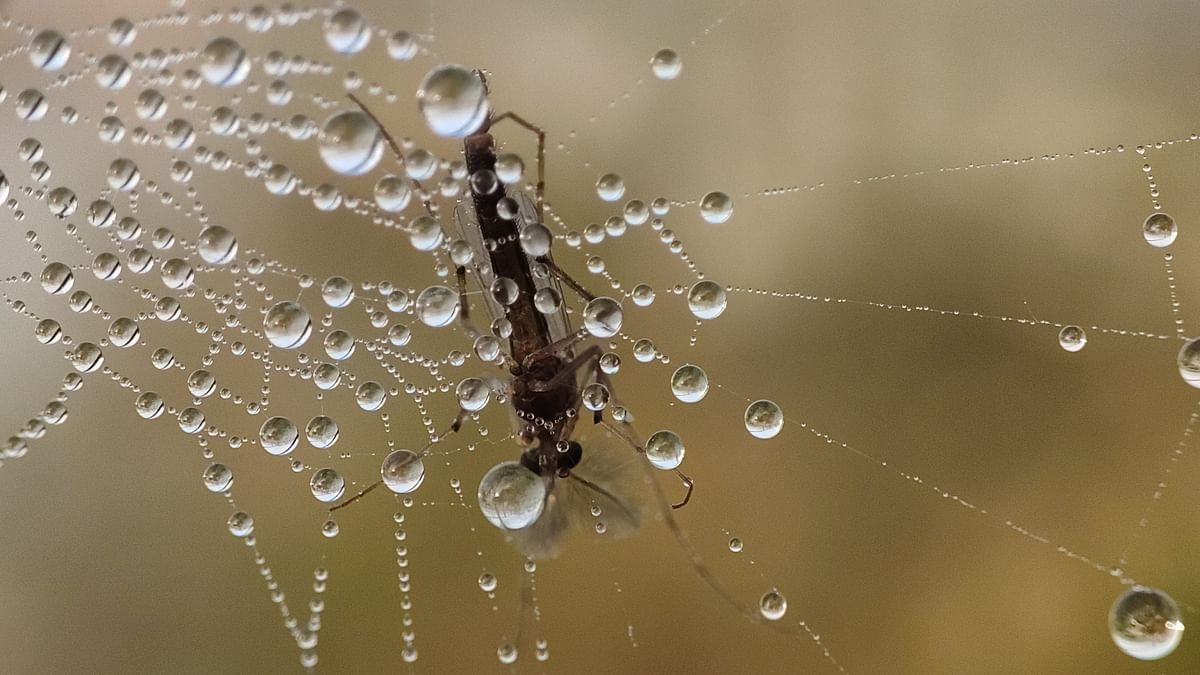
(918, 210)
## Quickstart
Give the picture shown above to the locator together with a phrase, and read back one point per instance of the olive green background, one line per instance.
(116, 559)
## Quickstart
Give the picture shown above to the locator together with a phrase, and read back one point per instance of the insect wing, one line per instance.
(557, 321)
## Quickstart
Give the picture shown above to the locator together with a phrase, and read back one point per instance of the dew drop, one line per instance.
(511, 496)
(764, 419)
(287, 325)
(437, 306)
(402, 471)
(689, 383)
(707, 299)
(665, 450)
(327, 485)
(602, 317)
(1072, 338)
(666, 64)
(1145, 623)
(453, 100)
(1160, 230)
(350, 143)
(773, 605)
(716, 207)
(224, 63)
(347, 32)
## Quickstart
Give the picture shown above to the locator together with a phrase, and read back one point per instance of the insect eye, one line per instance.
(570, 459)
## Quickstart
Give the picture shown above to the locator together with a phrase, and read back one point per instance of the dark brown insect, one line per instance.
(544, 363)
(545, 374)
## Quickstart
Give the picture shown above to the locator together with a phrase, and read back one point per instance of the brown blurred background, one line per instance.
(116, 559)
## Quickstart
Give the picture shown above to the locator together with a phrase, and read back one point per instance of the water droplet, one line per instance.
(49, 51)
(402, 471)
(602, 317)
(487, 582)
(473, 394)
(511, 496)
(322, 432)
(773, 605)
(595, 396)
(1072, 338)
(350, 143)
(401, 46)
(764, 419)
(666, 64)
(536, 240)
(437, 306)
(1145, 623)
(217, 245)
(1160, 230)
(370, 396)
(57, 278)
(392, 193)
(1189, 362)
(327, 485)
(224, 63)
(665, 450)
(453, 100)
(735, 545)
(217, 478)
(347, 32)
(240, 524)
(279, 436)
(610, 187)
(707, 299)
(287, 325)
(689, 383)
(716, 207)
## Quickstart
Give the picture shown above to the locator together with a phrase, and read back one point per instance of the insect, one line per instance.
(557, 480)
(504, 246)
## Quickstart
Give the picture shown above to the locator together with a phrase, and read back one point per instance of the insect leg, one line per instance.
(541, 154)
(454, 426)
(626, 436)
(395, 147)
(464, 307)
(566, 278)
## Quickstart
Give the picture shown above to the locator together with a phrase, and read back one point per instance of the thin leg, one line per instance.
(387, 136)
(541, 155)
(566, 278)
(464, 306)
(684, 478)
(454, 427)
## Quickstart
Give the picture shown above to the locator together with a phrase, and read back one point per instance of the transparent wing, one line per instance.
(558, 323)
(606, 497)
(467, 225)
(480, 268)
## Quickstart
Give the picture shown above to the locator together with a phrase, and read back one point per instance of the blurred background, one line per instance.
(116, 559)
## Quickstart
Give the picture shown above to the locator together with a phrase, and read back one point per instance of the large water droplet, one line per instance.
(1145, 623)
(224, 63)
(402, 471)
(1160, 230)
(602, 317)
(511, 496)
(764, 419)
(287, 325)
(666, 64)
(453, 100)
(350, 143)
